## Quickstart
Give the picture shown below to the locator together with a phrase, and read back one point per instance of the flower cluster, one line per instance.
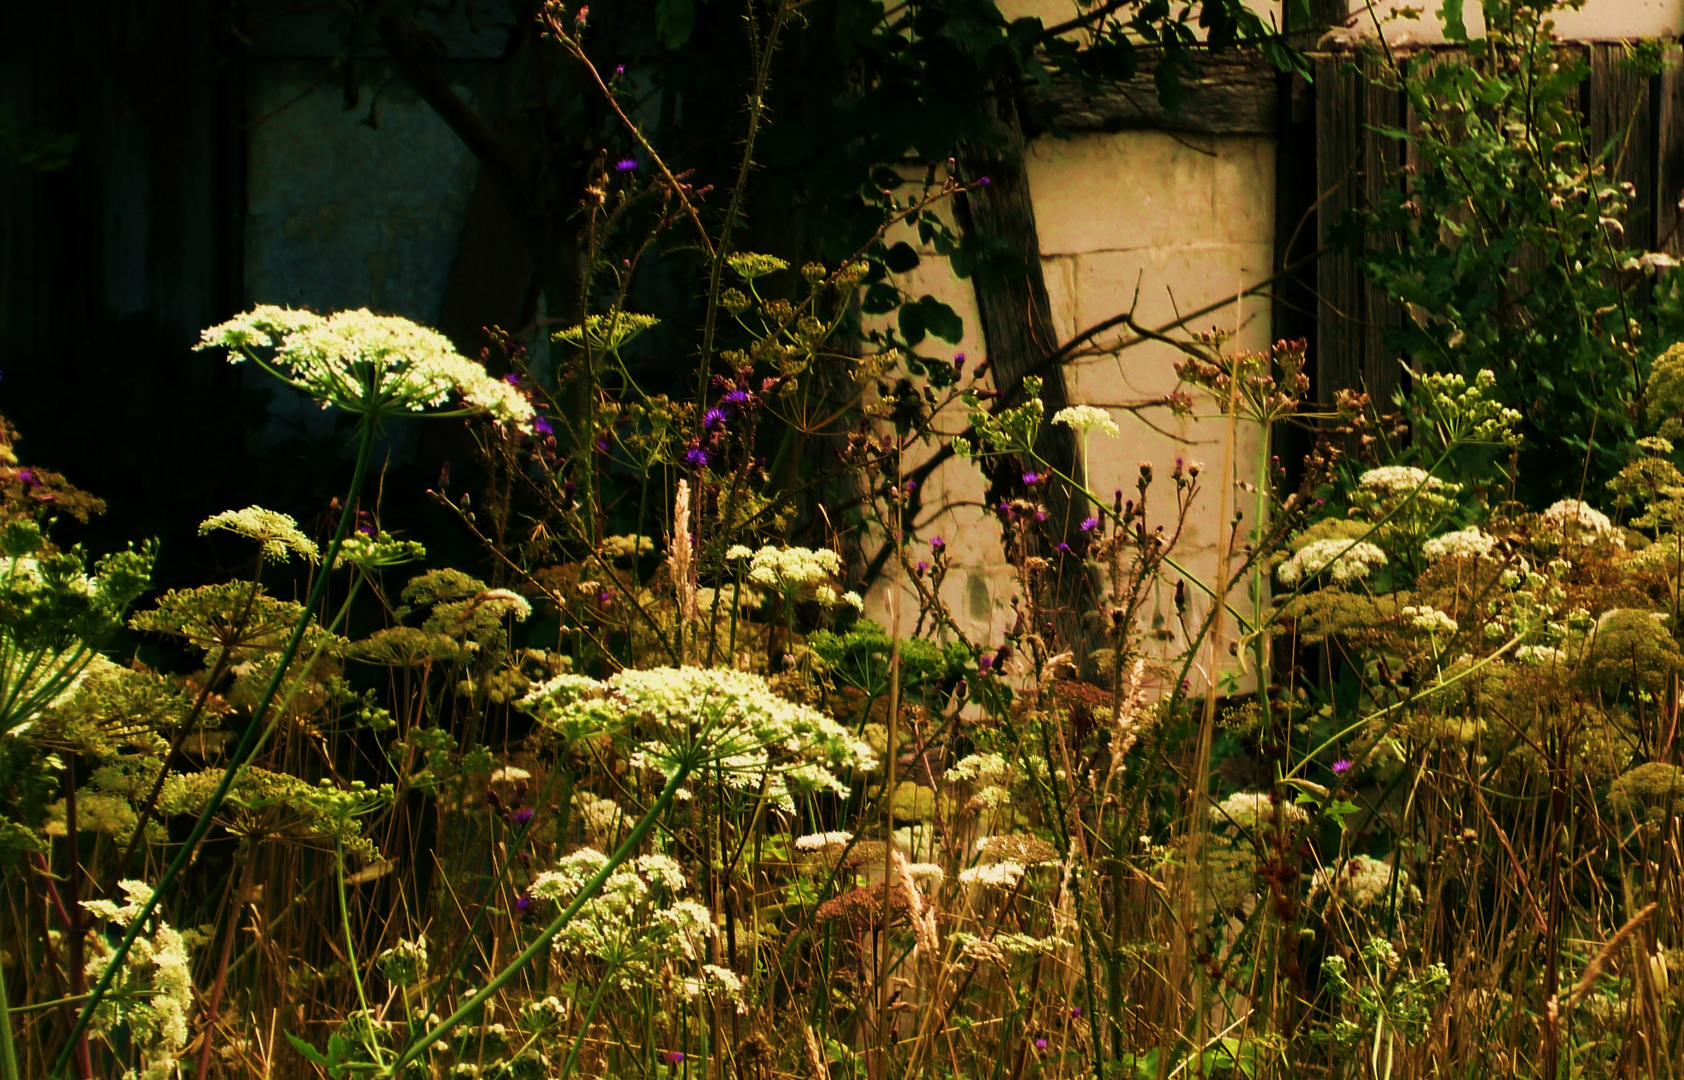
(373, 365)
(1463, 543)
(1086, 418)
(797, 572)
(1575, 517)
(731, 721)
(1362, 881)
(1342, 560)
(153, 993)
(276, 534)
(1430, 619)
(1251, 811)
(635, 923)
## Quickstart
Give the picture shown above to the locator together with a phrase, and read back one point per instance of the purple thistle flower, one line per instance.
(605, 597)
(602, 443)
(626, 165)
(1063, 548)
(737, 397)
(923, 568)
(958, 362)
(365, 530)
(911, 486)
(1040, 515)
(937, 543)
(523, 901)
(714, 419)
(1342, 766)
(1031, 478)
(521, 817)
(27, 478)
(1040, 1044)
(983, 663)
(675, 1057)
(512, 378)
(540, 426)
(1075, 1010)
(1090, 523)
(984, 181)
(619, 69)
(696, 456)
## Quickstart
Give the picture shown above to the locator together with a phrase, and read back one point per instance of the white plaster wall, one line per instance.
(1165, 225)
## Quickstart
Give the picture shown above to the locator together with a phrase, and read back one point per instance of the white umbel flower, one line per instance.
(375, 365)
(1463, 542)
(1086, 418)
(1572, 514)
(1343, 561)
(276, 534)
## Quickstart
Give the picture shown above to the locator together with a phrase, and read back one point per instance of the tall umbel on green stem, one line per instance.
(372, 367)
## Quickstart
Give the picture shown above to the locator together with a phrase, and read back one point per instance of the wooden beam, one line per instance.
(1232, 94)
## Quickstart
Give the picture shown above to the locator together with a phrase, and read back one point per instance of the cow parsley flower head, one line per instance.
(1401, 480)
(1255, 810)
(818, 841)
(405, 962)
(276, 534)
(1463, 542)
(1086, 418)
(152, 995)
(1430, 619)
(637, 922)
(730, 720)
(1574, 516)
(372, 365)
(1361, 881)
(1001, 875)
(798, 572)
(1342, 560)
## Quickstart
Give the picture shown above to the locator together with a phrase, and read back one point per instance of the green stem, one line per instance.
(542, 941)
(8, 1052)
(584, 1026)
(242, 752)
(351, 951)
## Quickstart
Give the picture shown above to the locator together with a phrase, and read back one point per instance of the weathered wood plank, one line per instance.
(1618, 114)
(1669, 153)
(1382, 163)
(1232, 94)
(1339, 285)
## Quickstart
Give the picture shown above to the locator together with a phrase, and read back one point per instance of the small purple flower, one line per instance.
(605, 597)
(958, 362)
(714, 419)
(626, 165)
(521, 817)
(737, 397)
(1040, 1044)
(512, 378)
(523, 901)
(619, 69)
(540, 426)
(696, 456)
(983, 664)
(27, 479)
(602, 443)
(923, 568)
(365, 530)
(1342, 766)
(911, 486)
(674, 1057)
(937, 543)
(1063, 548)
(1040, 515)
(1089, 524)
(1075, 1010)
(984, 181)
(1031, 478)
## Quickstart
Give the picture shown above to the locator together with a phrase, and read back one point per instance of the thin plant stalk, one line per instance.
(236, 761)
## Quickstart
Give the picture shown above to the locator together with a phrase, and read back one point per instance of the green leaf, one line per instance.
(306, 1051)
(1450, 12)
(674, 20)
